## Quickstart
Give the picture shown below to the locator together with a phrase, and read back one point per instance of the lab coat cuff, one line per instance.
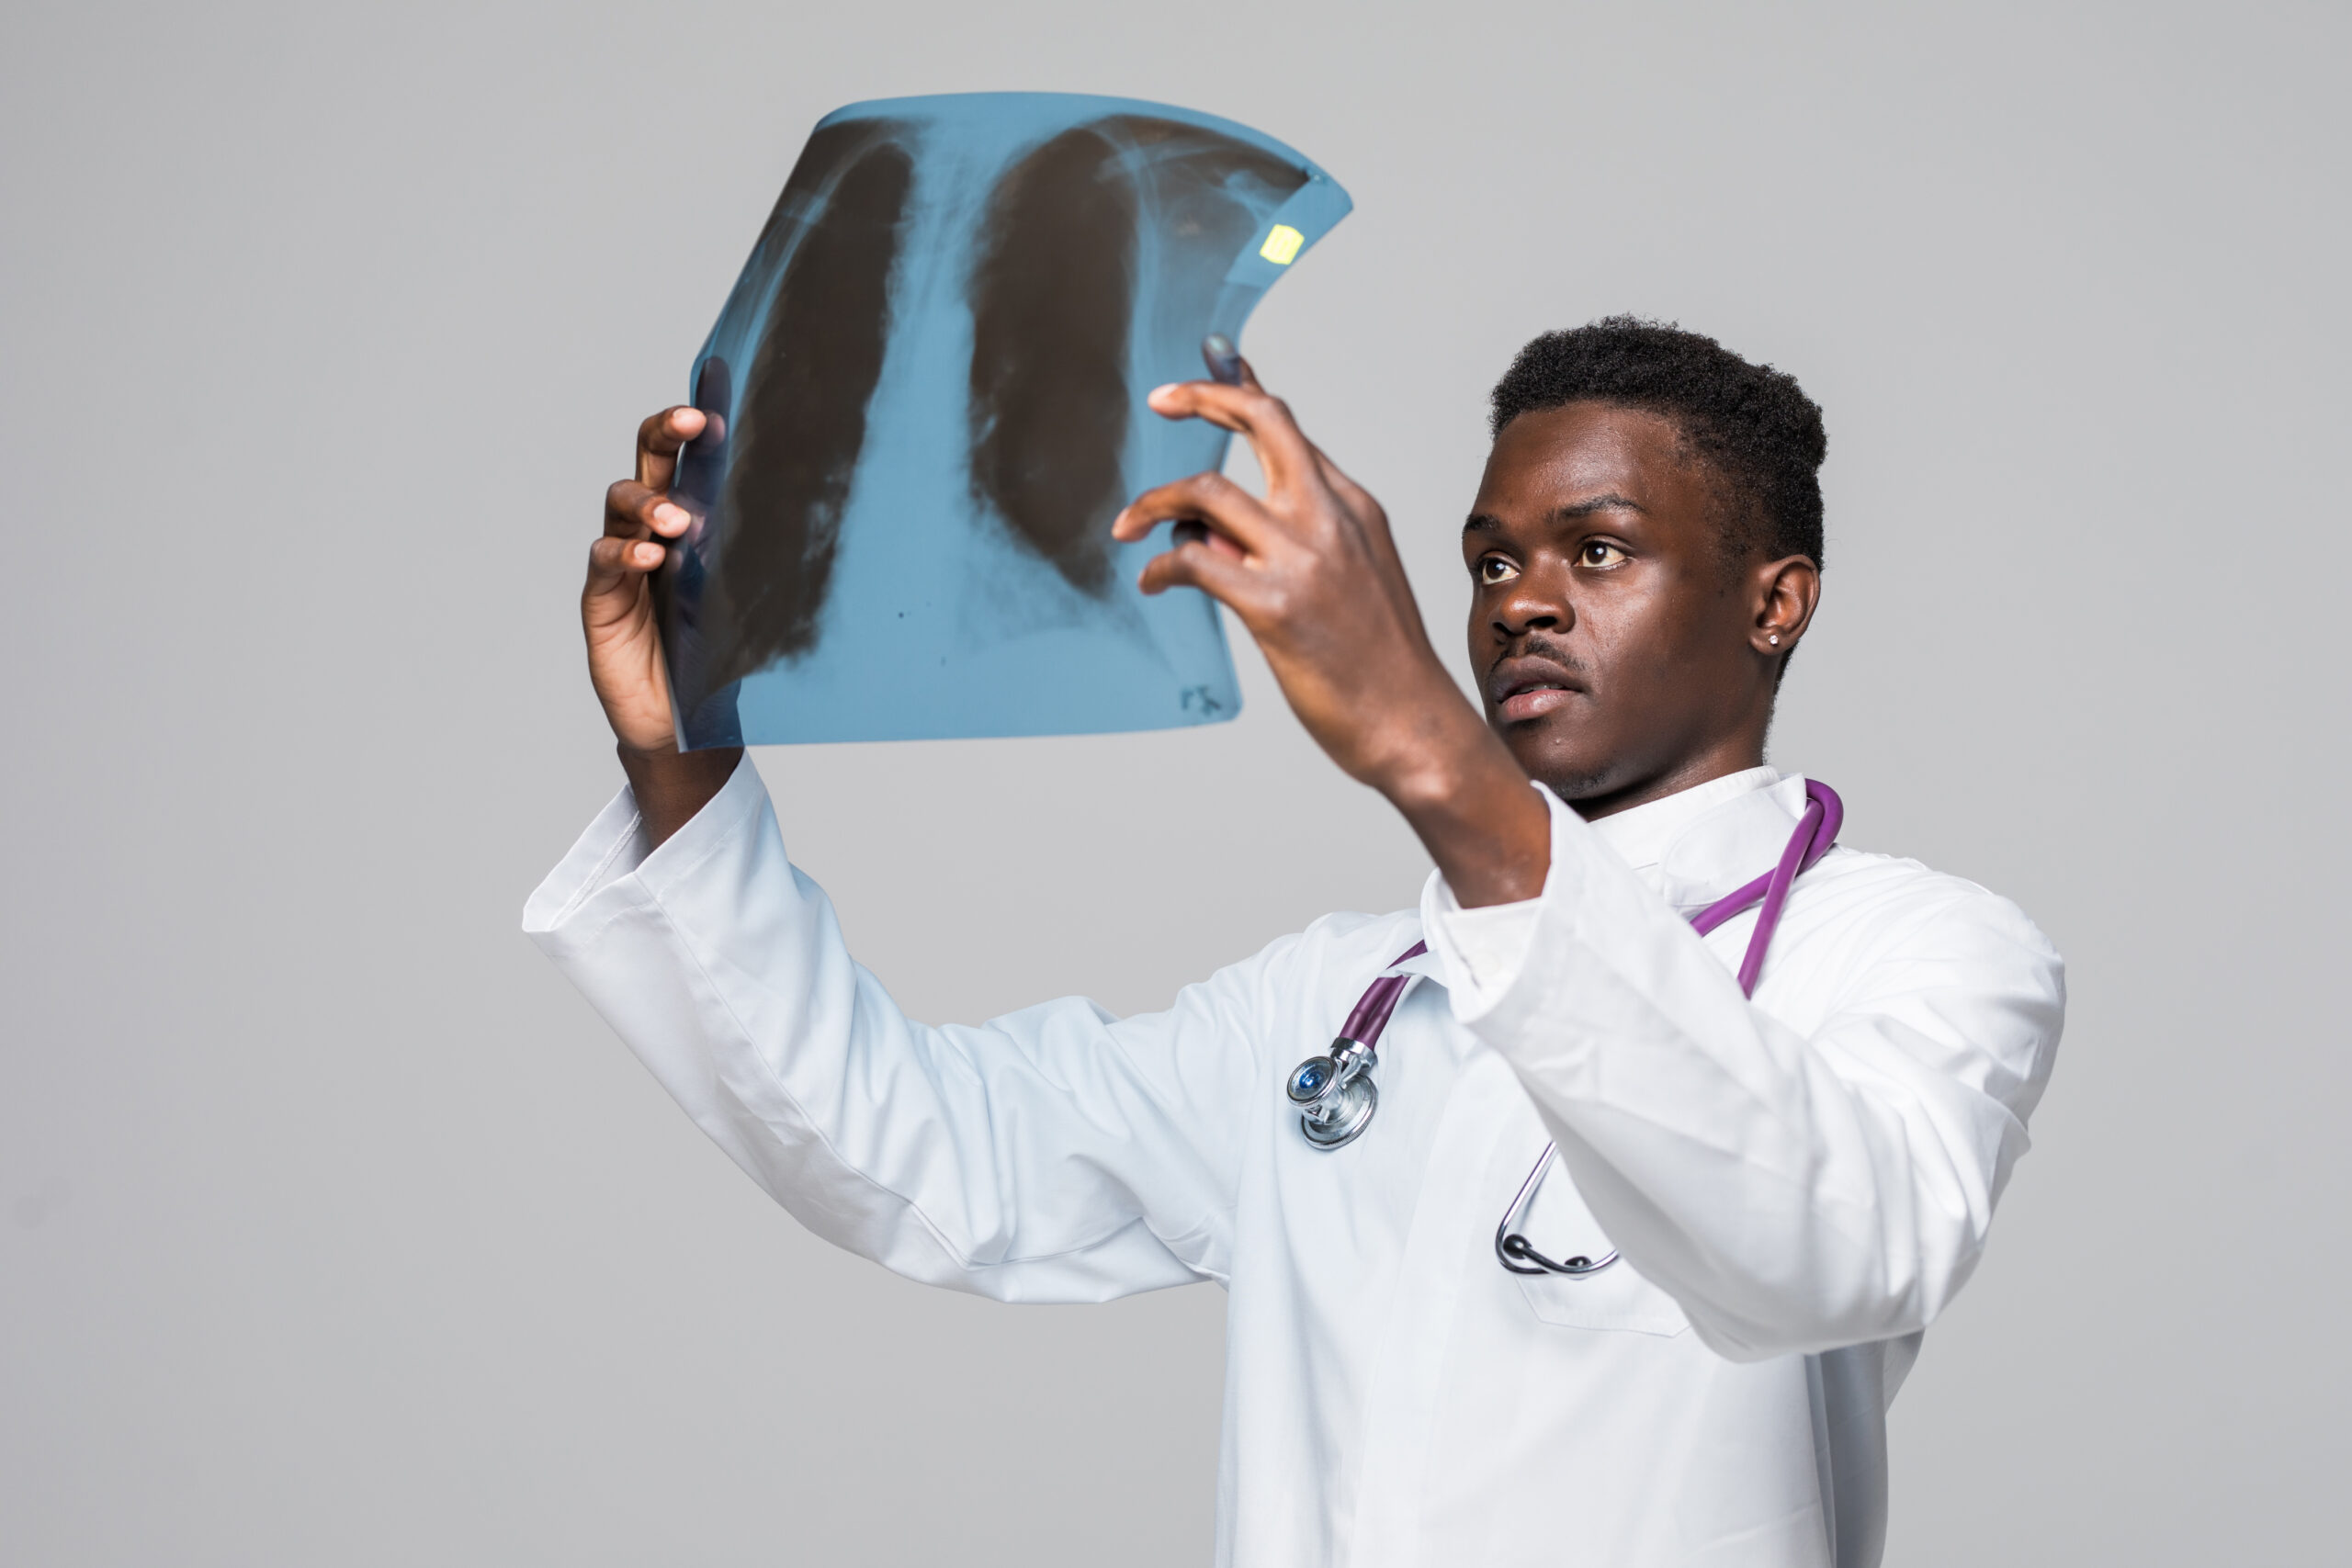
(615, 847)
(1527, 1011)
(1478, 949)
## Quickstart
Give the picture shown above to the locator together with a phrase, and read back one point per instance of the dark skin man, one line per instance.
(1624, 650)
(1776, 1109)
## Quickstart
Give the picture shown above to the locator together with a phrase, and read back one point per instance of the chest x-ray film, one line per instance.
(927, 393)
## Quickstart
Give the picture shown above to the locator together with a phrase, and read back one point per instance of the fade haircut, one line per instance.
(1752, 424)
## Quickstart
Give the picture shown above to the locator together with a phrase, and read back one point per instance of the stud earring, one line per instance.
(1775, 640)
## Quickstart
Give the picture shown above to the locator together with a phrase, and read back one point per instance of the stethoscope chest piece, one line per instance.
(1335, 1094)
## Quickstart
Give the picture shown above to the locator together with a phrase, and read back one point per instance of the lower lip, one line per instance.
(1534, 704)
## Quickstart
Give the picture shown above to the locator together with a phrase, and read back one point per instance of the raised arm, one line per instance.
(1056, 1154)
(1795, 1187)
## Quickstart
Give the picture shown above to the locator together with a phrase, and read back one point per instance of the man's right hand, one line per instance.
(624, 640)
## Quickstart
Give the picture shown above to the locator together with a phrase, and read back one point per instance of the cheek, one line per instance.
(1648, 636)
(1481, 634)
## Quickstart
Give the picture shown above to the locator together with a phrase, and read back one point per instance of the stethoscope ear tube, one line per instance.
(1517, 1254)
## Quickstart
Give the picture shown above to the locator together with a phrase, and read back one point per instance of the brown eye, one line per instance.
(1492, 569)
(1601, 555)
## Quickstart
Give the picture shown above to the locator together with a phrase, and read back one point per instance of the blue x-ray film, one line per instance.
(927, 400)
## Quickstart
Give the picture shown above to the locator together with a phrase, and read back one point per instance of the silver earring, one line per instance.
(1775, 640)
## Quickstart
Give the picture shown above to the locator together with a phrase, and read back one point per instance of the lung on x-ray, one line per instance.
(927, 392)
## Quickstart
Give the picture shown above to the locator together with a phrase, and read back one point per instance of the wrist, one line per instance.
(654, 755)
(1432, 765)
(1471, 805)
(672, 786)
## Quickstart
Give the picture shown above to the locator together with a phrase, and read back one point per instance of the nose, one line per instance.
(1528, 605)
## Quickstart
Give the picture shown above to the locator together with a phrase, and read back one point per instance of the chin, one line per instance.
(1575, 787)
(1558, 762)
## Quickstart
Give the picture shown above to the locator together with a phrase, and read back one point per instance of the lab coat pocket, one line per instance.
(1615, 1298)
(1558, 1225)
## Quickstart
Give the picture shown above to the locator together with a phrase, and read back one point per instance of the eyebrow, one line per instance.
(1484, 523)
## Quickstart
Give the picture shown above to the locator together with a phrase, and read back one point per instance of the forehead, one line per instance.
(1549, 459)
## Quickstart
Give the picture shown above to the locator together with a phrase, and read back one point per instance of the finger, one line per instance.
(635, 510)
(1211, 498)
(1223, 575)
(620, 563)
(1372, 519)
(1359, 499)
(1361, 505)
(1223, 359)
(1227, 367)
(1354, 494)
(658, 440)
(1193, 531)
(1284, 455)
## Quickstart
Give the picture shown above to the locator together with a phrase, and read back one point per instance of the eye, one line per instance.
(1601, 555)
(1493, 570)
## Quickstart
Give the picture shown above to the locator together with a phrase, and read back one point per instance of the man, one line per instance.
(1797, 1184)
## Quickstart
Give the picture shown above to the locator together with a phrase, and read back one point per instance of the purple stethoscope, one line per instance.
(1336, 1095)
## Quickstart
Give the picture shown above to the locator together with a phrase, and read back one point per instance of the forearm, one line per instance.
(672, 787)
(1829, 1214)
(1482, 822)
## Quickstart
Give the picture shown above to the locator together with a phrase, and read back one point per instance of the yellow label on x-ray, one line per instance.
(1281, 247)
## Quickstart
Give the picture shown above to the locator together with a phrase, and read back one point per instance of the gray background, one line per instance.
(335, 1228)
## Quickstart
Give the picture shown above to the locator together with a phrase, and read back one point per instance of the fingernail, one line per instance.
(1223, 359)
(669, 515)
(1164, 387)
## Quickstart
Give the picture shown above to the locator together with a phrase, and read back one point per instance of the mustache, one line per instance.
(1535, 645)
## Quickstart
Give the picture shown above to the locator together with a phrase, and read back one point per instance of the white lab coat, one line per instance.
(1798, 1185)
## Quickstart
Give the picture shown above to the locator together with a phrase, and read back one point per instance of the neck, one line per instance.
(1734, 755)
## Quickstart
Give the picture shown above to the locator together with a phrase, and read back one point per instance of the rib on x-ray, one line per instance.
(927, 400)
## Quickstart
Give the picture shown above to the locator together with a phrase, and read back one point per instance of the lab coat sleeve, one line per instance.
(1057, 1154)
(1792, 1192)
(1487, 945)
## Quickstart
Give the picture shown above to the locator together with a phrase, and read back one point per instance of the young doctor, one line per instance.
(1432, 1357)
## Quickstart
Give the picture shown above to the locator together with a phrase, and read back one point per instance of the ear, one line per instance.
(1786, 591)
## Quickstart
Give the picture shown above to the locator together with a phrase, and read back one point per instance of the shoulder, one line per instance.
(1353, 941)
(1951, 972)
(1342, 948)
(1298, 985)
(1889, 906)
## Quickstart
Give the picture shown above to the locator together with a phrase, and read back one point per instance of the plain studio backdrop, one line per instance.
(335, 1228)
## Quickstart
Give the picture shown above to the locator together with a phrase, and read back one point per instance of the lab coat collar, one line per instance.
(1705, 836)
(1735, 842)
(1642, 835)
(1425, 965)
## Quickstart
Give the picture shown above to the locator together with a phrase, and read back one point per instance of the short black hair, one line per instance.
(1752, 422)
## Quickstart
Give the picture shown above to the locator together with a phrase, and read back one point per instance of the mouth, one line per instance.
(1529, 688)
